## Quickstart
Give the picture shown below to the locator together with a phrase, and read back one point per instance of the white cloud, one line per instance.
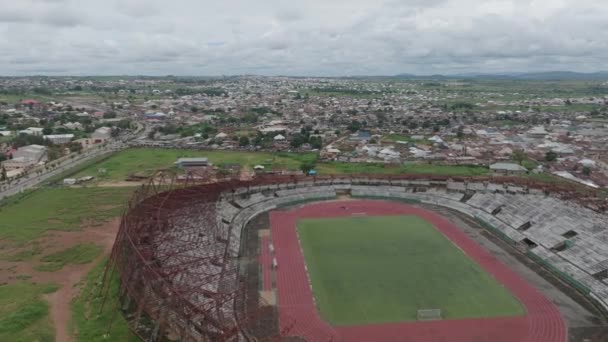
(314, 37)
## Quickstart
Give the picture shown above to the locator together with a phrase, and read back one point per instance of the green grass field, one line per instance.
(82, 253)
(24, 315)
(147, 161)
(89, 323)
(367, 270)
(26, 217)
(419, 168)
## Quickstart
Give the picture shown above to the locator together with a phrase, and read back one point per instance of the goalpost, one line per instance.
(429, 314)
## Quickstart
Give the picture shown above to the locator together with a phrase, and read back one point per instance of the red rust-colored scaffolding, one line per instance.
(178, 278)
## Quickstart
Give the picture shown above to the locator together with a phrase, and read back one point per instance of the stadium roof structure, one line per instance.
(179, 245)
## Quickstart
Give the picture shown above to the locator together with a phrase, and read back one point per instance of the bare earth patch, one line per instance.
(119, 184)
(69, 276)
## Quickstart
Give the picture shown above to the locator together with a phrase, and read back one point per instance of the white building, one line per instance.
(388, 154)
(73, 125)
(25, 157)
(101, 134)
(32, 131)
(537, 132)
(59, 138)
(507, 168)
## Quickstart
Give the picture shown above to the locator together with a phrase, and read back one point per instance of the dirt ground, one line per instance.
(119, 184)
(68, 277)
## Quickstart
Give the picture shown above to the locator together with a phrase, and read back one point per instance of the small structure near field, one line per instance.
(429, 314)
(193, 162)
(507, 168)
(74, 181)
(69, 181)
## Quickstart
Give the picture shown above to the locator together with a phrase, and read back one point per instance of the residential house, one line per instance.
(59, 139)
(25, 157)
(101, 134)
(507, 168)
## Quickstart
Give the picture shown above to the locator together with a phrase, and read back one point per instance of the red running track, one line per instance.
(542, 322)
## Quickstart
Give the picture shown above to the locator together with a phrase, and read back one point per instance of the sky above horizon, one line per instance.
(303, 38)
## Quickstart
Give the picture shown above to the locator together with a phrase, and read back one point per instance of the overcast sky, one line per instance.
(305, 37)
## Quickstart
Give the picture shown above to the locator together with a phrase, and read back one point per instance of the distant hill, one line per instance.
(541, 76)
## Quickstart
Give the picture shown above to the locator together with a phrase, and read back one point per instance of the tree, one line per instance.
(298, 140)
(315, 142)
(307, 166)
(54, 153)
(519, 156)
(460, 133)
(3, 175)
(550, 156)
(47, 131)
(75, 147)
(243, 141)
(587, 171)
(354, 126)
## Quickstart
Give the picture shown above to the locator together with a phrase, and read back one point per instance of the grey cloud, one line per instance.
(315, 37)
(289, 15)
(57, 17)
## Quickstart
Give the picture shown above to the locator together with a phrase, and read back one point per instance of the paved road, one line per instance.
(34, 179)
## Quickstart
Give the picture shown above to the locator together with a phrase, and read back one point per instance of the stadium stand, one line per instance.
(564, 236)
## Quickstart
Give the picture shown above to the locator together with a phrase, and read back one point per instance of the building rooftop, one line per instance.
(507, 167)
(193, 160)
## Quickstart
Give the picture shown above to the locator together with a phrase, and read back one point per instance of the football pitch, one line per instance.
(383, 269)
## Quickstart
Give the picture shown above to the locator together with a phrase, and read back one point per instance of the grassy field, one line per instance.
(146, 161)
(82, 253)
(378, 168)
(368, 270)
(24, 315)
(88, 323)
(26, 217)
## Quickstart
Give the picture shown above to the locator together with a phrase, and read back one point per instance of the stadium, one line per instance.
(361, 258)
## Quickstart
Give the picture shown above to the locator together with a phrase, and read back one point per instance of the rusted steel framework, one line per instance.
(177, 277)
(180, 280)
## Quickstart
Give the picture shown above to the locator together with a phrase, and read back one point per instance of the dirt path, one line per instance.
(68, 277)
(119, 184)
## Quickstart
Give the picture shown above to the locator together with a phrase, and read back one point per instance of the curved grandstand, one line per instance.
(180, 247)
